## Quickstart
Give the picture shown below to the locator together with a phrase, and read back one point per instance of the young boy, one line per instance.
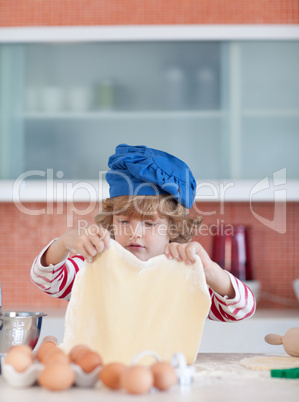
(151, 193)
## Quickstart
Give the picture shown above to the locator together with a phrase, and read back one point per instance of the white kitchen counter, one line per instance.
(219, 377)
(246, 336)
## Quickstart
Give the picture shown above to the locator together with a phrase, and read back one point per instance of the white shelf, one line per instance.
(180, 114)
(229, 190)
(149, 33)
(164, 114)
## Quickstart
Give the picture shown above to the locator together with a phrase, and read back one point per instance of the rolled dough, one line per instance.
(121, 306)
(270, 362)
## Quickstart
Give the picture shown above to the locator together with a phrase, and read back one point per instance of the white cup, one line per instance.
(79, 99)
(52, 99)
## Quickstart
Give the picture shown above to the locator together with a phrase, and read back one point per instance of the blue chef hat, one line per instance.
(138, 170)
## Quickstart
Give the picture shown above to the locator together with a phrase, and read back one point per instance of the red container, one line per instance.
(231, 250)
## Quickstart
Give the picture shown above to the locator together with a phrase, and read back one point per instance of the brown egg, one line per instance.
(44, 348)
(164, 375)
(56, 377)
(20, 357)
(22, 348)
(89, 361)
(77, 352)
(48, 352)
(56, 356)
(137, 379)
(110, 375)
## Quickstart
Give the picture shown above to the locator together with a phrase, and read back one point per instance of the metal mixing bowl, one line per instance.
(19, 328)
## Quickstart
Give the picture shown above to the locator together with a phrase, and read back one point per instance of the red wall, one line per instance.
(144, 12)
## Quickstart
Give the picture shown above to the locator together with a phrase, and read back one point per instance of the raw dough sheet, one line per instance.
(121, 306)
(270, 362)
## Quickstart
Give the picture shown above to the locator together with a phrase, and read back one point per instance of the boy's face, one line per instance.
(143, 238)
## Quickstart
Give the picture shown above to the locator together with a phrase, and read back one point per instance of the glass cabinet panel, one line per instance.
(229, 109)
(270, 108)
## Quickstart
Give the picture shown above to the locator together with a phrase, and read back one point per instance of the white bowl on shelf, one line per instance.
(296, 288)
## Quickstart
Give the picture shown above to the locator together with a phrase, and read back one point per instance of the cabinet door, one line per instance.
(269, 94)
(91, 97)
(12, 144)
(229, 109)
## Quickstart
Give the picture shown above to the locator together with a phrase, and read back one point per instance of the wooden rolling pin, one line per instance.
(290, 341)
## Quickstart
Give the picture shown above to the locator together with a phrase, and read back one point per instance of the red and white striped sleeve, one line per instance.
(56, 280)
(230, 310)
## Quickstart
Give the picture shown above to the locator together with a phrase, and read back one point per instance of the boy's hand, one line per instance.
(91, 241)
(186, 252)
(88, 243)
(217, 279)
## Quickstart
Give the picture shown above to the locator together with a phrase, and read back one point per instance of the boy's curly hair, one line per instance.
(182, 226)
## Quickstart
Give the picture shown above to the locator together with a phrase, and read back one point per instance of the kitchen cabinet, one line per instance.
(230, 108)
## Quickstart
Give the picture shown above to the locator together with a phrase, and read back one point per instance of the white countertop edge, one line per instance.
(149, 32)
(93, 191)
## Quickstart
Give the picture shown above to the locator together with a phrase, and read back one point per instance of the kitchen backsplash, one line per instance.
(275, 256)
(145, 12)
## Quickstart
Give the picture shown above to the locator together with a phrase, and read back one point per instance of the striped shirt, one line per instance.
(57, 281)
